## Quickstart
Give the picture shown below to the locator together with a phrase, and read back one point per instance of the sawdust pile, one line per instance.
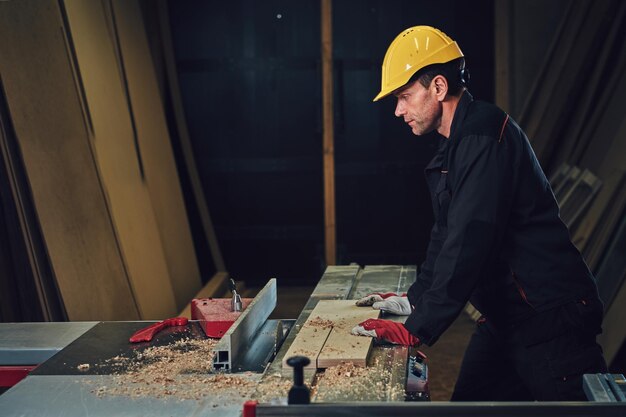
(320, 323)
(180, 370)
(346, 381)
(273, 389)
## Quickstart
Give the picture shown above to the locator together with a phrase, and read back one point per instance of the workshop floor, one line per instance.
(444, 359)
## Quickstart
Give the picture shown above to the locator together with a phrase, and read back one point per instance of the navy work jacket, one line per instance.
(497, 240)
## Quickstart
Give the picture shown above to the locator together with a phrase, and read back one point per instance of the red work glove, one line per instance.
(389, 302)
(386, 330)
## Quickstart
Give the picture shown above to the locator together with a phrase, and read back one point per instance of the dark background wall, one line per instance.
(250, 76)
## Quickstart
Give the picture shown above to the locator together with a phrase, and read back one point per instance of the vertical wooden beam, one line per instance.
(503, 35)
(328, 137)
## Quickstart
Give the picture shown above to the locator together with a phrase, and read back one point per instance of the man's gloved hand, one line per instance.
(389, 302)
(386, 330)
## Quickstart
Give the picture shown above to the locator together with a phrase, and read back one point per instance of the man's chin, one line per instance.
(417, 132)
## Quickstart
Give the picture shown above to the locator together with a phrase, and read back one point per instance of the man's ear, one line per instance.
(441, 87)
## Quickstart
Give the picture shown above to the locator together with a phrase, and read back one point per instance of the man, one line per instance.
(497, 241)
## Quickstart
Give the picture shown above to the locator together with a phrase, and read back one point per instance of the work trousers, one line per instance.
(504, 365)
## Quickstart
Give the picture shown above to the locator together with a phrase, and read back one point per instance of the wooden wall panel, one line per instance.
(52, 131)
(119, 159)
(162, 179)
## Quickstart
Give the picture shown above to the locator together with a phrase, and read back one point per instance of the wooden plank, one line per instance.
(119, 161)
(538, 99)
(599, 206)
(28, 266)
(547, 111)
(309, 341)
(335, 284)
(611, 271)
(383, 379)
(330, 233)
(325, 337)
(554, 119)
(605, 228)
(341, 345)
(614, 331)
(161, 176)
(183, 137)
(576, 201)
(594, 144)
(598, 88)
(52, 130)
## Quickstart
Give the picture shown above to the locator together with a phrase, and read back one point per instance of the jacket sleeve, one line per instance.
(480, 173)
(425, 277)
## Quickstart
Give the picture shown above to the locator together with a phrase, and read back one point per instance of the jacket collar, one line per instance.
(460, 112)
(437, 161)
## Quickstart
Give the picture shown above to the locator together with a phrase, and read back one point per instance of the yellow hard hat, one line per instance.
(412, 50)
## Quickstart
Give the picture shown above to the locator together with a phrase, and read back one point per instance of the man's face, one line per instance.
(419, 108)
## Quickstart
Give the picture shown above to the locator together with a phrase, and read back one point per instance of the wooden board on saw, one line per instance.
(309, 342)
(325, 337)
(341, 345)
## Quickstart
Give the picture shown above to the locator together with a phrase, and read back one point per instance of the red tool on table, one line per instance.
(146, 334)
(214, 315)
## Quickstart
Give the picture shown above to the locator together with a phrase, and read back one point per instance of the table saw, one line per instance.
(84, 368)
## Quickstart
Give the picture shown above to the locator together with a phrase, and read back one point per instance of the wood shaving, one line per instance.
(339, 373)
(273, 389)
(180, 370)
(346, 381)
(305, 352)
(331, 349)
(319, 323)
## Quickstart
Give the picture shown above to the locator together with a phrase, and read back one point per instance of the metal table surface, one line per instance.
(59, 388)
(71, 395)
(34, 343)
(106, 340)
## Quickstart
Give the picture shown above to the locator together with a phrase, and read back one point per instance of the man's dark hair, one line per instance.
(453, 71)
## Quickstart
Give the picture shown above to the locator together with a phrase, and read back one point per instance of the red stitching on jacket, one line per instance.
(503, 126)
(521, 290)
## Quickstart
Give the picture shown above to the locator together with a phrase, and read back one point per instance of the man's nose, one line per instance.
(399, 109)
